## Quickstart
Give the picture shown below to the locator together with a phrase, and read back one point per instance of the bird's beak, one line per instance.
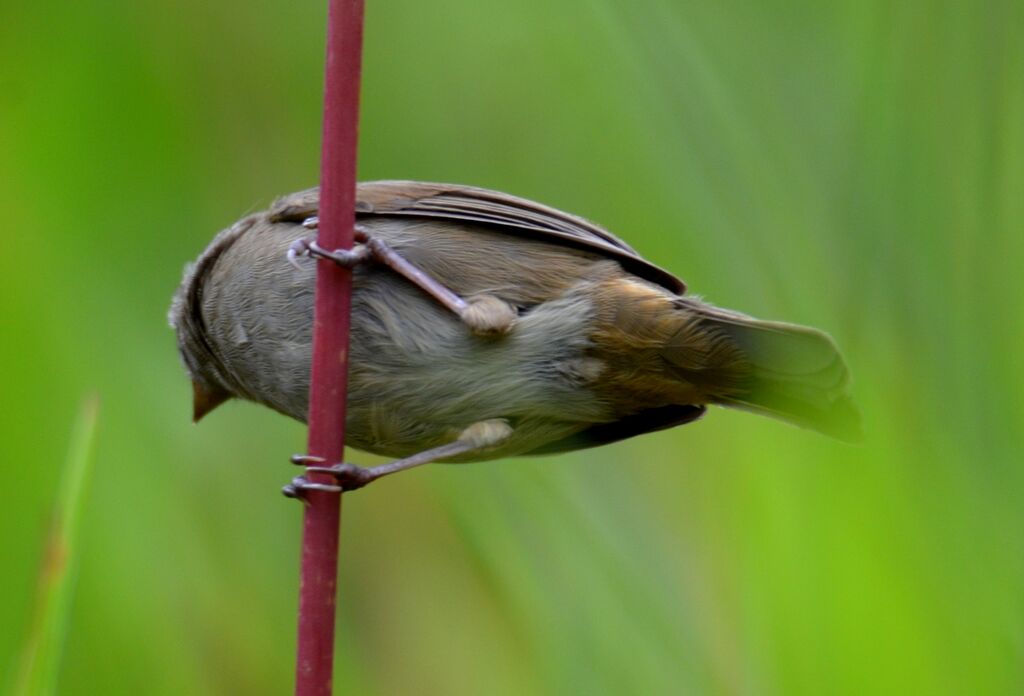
(205, 400)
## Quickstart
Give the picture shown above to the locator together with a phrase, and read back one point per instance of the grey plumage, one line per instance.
(605, 346)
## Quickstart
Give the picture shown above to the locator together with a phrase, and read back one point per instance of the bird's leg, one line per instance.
(486, 315)
(349, 477)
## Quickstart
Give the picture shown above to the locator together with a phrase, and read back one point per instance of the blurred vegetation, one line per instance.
(855, 165)
(44, 641)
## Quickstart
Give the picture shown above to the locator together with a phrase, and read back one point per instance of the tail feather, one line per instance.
(786, 371)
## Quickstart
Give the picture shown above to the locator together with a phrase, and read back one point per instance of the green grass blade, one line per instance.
(40, 660)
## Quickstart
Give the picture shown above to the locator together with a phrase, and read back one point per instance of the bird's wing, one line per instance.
(492, 208)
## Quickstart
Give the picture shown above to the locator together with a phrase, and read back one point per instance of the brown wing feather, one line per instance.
(493, 208)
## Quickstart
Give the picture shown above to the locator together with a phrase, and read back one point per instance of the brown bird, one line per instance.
(486, 326)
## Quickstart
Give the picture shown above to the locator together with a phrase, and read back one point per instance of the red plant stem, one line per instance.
(329, 378)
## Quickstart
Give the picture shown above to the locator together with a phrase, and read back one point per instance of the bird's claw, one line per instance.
(347, 477)
(300, 485)
(307, 246)
(300, 247)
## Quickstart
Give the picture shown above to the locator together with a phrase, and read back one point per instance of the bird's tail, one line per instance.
(786, 371)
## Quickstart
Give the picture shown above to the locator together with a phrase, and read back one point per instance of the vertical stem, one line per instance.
(329, 378)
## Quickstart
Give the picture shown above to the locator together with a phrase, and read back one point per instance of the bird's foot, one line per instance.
(485, 315)
(347, 477)
(307, 246)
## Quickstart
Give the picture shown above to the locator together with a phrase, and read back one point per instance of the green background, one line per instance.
(855, 165)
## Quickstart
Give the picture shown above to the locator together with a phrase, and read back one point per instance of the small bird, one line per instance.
(485, 326)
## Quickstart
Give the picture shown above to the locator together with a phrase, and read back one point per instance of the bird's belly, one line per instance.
(418, 377)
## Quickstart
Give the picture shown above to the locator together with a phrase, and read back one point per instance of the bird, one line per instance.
(485, 326)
